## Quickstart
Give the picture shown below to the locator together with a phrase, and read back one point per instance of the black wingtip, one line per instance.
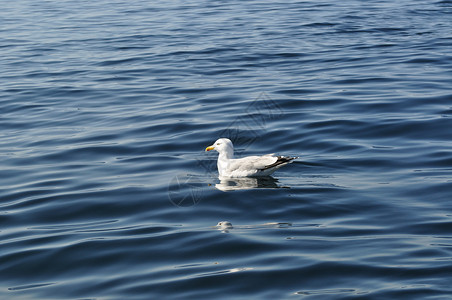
(281, 160)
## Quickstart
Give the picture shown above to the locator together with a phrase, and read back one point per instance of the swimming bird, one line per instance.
(250, 166)
(224, 225)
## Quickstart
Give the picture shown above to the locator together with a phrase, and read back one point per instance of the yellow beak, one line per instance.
(210, 148)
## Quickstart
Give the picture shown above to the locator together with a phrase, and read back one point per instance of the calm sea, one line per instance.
(106, 108)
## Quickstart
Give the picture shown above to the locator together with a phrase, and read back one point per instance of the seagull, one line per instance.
(224, 225)
(250, 166)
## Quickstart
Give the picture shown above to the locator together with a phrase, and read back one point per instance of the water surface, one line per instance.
(106, 108)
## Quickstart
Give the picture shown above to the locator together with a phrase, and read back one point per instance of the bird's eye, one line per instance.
(218, 144)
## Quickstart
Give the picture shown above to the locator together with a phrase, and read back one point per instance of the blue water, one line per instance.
(106, 109)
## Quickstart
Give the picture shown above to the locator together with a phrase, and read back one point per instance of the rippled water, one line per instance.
(107, 106)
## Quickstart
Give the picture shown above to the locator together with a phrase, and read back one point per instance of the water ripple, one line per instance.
(106, 191)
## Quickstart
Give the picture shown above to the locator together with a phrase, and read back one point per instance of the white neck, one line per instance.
(228, 153)
(223, 159)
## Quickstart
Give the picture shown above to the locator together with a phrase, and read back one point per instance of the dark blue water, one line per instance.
(106, 108)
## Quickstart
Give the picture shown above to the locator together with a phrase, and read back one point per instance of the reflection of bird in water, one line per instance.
(250, 166)
(232, 184)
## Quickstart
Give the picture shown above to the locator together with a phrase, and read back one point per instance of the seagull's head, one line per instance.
(222, 145)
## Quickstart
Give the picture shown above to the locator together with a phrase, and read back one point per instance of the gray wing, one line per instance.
(281, 160)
